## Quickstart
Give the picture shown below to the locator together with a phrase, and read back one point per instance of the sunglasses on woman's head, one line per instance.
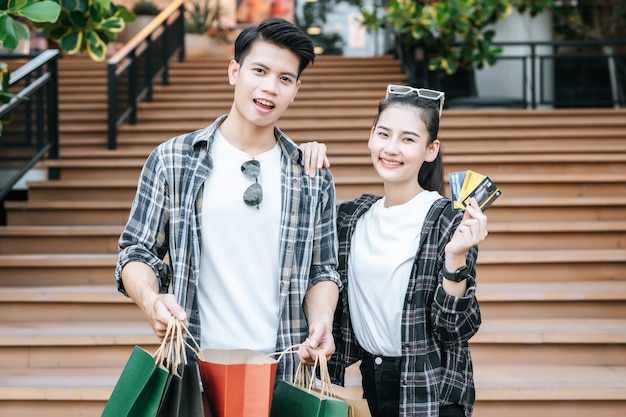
(403, 90)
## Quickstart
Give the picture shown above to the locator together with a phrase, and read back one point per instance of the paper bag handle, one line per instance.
(172, 350)
(302, 378)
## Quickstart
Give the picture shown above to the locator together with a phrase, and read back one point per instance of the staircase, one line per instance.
(551, 275)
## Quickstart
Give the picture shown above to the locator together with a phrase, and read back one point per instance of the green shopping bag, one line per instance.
(290, 401)
(139, 388)
(149, 383)
(301, 399)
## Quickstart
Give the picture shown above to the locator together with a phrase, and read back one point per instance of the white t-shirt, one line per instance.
(382, 253)
(238, 287)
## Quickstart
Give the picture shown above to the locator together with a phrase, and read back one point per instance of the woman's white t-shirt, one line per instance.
(382, 253)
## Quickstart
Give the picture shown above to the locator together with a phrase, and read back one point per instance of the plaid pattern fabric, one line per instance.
(436, 327)
(165, 220)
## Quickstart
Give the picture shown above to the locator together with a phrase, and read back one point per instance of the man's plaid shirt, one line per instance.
(165, 220)
(436, 327)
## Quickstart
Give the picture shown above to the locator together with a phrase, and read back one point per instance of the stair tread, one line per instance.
(549, 382)
(494, 227)
(573, 256)
(486, 292)
(551, 291)
(493, 383)
(552, 330)
(58, 259)
(504, 201)
(76, 333)
(371, 175)
(95, 230)
(64, 293)
(363, 124)
(74, 151)
(486, 257)
(509, 330)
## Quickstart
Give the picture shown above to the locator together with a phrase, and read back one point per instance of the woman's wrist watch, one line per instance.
(456, 276)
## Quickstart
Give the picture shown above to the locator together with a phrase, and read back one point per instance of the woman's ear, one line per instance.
(432, 151)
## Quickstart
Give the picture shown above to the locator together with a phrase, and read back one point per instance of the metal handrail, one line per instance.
(533, 63)
(41, 76)
(536, 57)
(137, 66)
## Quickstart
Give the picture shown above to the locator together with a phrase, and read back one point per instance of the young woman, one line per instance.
(407, 262)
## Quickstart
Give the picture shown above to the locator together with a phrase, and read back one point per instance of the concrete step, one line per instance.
(522, 209)
(556, 266)
(90, 188)
(67, 303)
(578, 341)
(59, 239)
(550, 341)
(502, 236)
(117, 180)
(529, 301)
(555, 235)
(57, 269)
(555, 390)
(562, 167)
(587, 390)
(493, 266)
(530, 163)
(545, 298)
(343, 139)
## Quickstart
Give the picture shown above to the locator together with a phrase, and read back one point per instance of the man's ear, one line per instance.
(298, 83)
(233, 72)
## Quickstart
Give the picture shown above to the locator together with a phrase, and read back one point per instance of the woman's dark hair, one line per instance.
(430, 176)
(281, 33)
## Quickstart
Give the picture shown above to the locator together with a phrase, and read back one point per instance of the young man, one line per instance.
(250, 237)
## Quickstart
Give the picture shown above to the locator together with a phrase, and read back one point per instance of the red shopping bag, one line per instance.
(238, 383)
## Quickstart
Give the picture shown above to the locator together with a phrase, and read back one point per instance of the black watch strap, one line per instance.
(456, 276)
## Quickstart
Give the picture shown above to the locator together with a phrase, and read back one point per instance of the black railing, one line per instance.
(547, 73)
(33, 132)
(134, 69)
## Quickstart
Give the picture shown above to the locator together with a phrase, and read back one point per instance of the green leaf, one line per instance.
(104, 4)
(12, 31)
(124, 14)
(112, 24)
(97, 51)
(71, 42)
(70, 5)
(43, 11)
(5, 76)
(78, 19)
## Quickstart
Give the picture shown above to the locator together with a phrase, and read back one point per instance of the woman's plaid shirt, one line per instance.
(436, 327)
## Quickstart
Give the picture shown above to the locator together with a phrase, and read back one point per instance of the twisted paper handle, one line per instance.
(172, 351)
(304, 379)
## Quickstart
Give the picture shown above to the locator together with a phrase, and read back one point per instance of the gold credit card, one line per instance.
(468, 184)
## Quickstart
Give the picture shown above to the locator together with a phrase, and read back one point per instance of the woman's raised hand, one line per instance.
(471, 231)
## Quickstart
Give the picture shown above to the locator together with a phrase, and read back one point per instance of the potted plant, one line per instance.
(87, 26)
(204, 34)
(453, 37)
